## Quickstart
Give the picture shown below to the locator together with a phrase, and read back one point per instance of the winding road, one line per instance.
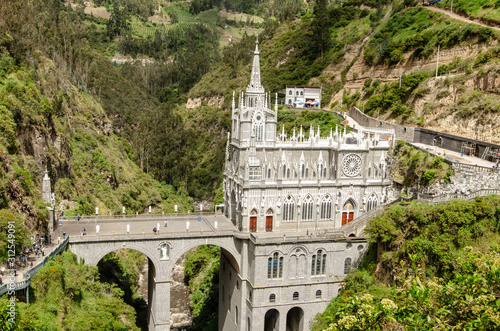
(458, 17)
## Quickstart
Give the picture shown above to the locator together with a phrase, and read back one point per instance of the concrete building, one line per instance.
(299, 95)
(277, 186)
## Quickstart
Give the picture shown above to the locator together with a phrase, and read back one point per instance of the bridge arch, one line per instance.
(96, 253)
(233, 256)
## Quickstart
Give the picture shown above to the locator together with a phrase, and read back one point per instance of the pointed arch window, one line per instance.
(288, 209)
(372, 202)
(326, 207)
(275, 266)
(307, 209)
(307, 172)
(320, 170)
(318, 263)
(258, 127)
(347, 265)
(297, 264)
(290, 92)
(269, 173)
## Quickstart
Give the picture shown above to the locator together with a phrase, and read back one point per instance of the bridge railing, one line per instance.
(457, 196)
(473, 168)
(136, 216)
(360, 222)
(28, 274)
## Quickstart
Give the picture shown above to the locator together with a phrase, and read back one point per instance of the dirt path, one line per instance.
(458, 17)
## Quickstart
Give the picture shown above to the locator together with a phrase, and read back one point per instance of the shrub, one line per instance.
(428, 176)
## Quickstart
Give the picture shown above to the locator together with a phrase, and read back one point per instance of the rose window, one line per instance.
(351, 165)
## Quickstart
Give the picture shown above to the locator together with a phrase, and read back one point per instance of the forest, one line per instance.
(124, 134)
(428, 266)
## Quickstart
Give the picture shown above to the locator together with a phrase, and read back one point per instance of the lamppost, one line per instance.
(51, 227)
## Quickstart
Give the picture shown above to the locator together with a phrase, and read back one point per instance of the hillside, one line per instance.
(368, 50)
(428, 267)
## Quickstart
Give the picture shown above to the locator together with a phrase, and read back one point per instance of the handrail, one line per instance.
(473, 168)
(133, 216)
(457, 196)
(4, 288)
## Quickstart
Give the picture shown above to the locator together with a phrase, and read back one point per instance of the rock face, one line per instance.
(180, 313)
(201, 101)
(457, 103)
(466, 182)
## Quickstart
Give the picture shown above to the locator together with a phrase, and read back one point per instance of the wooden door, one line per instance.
(344, 218)
(253, 224)
(269, 223)
(347, 217)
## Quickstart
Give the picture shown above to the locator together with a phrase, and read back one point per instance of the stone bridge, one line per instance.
(175, 235)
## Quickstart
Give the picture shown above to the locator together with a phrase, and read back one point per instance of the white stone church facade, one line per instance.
(279, 186)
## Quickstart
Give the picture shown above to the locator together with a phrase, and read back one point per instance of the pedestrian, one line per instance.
(43, 251)
(154, 230)
(64, 235)
(463, 153)
(32, 264)
(1, 280)
(165, 223)
(84, 231)
(78, 217)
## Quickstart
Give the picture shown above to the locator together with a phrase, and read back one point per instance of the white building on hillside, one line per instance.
(299, 95)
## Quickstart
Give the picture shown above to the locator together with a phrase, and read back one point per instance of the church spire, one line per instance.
(255, 84)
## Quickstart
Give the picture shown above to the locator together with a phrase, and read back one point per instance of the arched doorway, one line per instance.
(295, 319)
(272, 320)
(348, 211)
(269, 220)
(253, 221)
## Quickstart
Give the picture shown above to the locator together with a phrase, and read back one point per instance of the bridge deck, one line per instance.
(142, 227)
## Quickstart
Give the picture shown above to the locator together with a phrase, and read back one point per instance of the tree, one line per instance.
(320, 26)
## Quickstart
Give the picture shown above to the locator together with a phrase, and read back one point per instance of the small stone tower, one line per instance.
(46, 191)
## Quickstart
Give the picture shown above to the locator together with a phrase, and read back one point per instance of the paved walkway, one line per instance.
(32, 258)
(451, 155)
(458, 17)
(165, 226)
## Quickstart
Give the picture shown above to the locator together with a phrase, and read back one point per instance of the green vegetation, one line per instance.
(122, 269)
(19, 236)
(68, 296)
(415, 167)
(420, 31)
(306, 119)
(428, 267)
(485, 10)
(390, 97)
(202, 275)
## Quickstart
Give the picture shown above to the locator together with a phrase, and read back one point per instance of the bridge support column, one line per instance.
(158, 301)
(282, 322)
